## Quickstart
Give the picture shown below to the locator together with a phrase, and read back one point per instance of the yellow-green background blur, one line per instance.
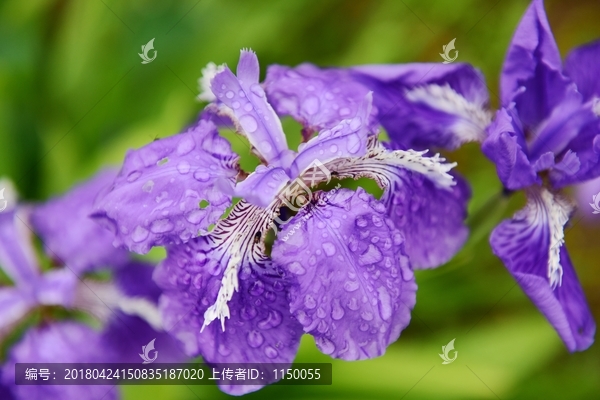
(74, 97)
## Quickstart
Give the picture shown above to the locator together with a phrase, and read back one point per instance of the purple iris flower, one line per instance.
(545, 137)
(76, 245)
(341, 268)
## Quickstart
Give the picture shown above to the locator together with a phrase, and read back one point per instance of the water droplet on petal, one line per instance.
(325, 345)
(201, 176)
(229, 94)
(321, 312)
(366, 315)
(185, 145)
(133, 176)
(161, 226)
(255, 338)
(322, 327)
(296, 268)
(311, 105)
(333, 148)
(257, 288)
(183, 167)
(271, 352)
(257, 90)
(329, 248)
(249, 123)
(248, 312)
(248, 107)
(266, 147)
(344, 111)
(235, 105)
(337, 310)
(273, 320)
(371, 256)
(309, 302)
(351, 286)
(363, 327)
(361, 222)
(353, 144)
(148, 186)
(224, 350)
(139, 234)
(385, 303)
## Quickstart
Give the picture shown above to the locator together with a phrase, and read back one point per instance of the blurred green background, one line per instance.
(74, 97)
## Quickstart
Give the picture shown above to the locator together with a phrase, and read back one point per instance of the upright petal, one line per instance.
(428, 105)
(70, 236)
(582, 65)
(226, 276)
(421, 197)
(252, 114)
(317, 98)
(166, 191)
(64, 342)
(532, 71)
(353, 286)
(506, 147)
(17, 256)
(261, 186)
(531, 245)
(346, 139)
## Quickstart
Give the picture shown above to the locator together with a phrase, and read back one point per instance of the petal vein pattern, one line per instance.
(234, 239)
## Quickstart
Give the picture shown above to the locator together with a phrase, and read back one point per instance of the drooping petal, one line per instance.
(531, 245)
(421, 197)
(70, 236)
(126, 334)
(506, 147)
(256, 325)
(346, 139)
(353, 286)
(63, 342)
(433, 219)
(582, 65)
(166, 191)
(252, 114)
(261, 186)
(425, 106)
(17, 256)
(317, 98)
(532, 71)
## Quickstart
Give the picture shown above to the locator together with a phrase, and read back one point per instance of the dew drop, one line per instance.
(371, 256)
(385, 303)
(311, 105)
(133, 176)
(248, 312)
(224, 350)
(229, 94)
(148, 186)
(351, 286)
(309, 302)
(266, 147)
(257, 288)
(322, 326)
(248, 107)
(321, 312)
(273, 320)
(139, 234)
(338, 311)
(255, 338)
(333, 148)
(325, 345)
(363, 327)
(161, 226)
(201, 176)
(235, 105)
(271, 352)
(296, 268)
(329, 248)
(185, 145)
(183, 167)
(249, 123)
(257, 90)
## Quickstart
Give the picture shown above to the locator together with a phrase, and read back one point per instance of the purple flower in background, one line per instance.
(341, 269)
(126, 306)
(546, 136)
